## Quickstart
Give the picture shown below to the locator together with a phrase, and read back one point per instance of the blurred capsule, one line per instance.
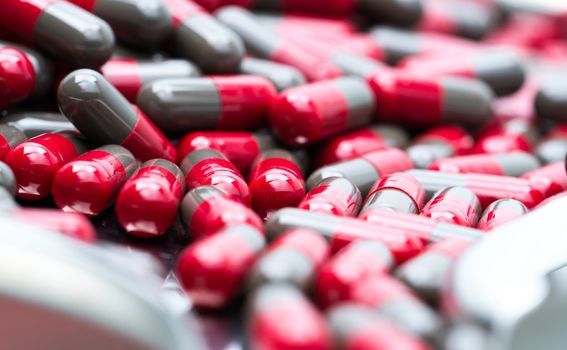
(507, 136)
(213, 283)
(149, 201)
(404, 13)
(283, 76)
(61, 29)
(334, 196)
(520, 104)
(316, 25)
(8, 183)
(553, 177)
(36, 161)
(17, 75)
(128, 75)
(399, 192)
(551, 100)
(553, 147)
(500, 212)
(9, 138)
(365, 170)
(104, 116)
(454, 205)
(505, 164)
(207, 210)
(205, 167)
(33, 124)
(222, 102)
(440, 142)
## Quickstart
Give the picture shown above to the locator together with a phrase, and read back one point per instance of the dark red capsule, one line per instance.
(283, 76)
(90, 183)
(334, 196)
(17, 77)
(501, 212)
(505, 164)
(399, 192)
(552, 176)
(9, 138)
(508, 136)
(440, 142)
(149, 201)
(454, 205)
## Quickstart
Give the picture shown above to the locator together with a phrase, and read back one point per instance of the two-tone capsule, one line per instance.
(104, 116)
(283, 76)
(213, 283)
(553, 147)
(399, 192)
(506, 136)
(149, 201)
(10, 137)
(501, 212)
(504, 164)
(440, 142)
(334, 196)
(90, 183)
(238, 102)
(17, 75)
(33, 124)
(454, 205)
(552, 176)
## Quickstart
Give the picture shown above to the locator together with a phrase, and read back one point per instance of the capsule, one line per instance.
(90, 183)
(281, 317)
(508, 136)
(440, 142)
(553, 147)
(216, 49)
(426, 273)
(240, 147)
(551, 99)
(334, 196)
(294, 258)
(355, 143)
(36, 161)
(365, 170)
(61, 29)
(505, 164)
(33, 124)
(8, 184)
(553, 177)
(205, 167)
(128, 75)
(500, 212)
(488, 188)
(213, 283)
(399, 192)
(149, 201)
(520, 104)
(143, 24)
(104, 116)
(10, 137)
(264, 43)
(316, 25)
(283, 76)
(310, 113)
(454, 205)
(17, 75)
(276, 181)
(207, 210)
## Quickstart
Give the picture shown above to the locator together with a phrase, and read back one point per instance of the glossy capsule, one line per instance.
(440, 142)
(90, 183)
(553, 177)
(104, 116)
(399, 192)
(17, 76)
(213, 283)
(501, 212)
(33, 124)
(208, 167)
(61, 29)
(36, 161)
(365, 170)
(238, 102)
(334, 196)
(10, 137)
(454, 205)
(207, 210)
(293, 258)
(310, 113)
(507, 136)
(275, 181)
(149, 201)
(505, 164)
(269, 311)
(128, 75)
(553, 147)
(283, 76)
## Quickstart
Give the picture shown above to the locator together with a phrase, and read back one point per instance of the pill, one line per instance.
(33, 124)
(36, 161)
(316, 25)
(206, 210)
(149, 201)
(403, 13)
(240, 147)
(551, 99)
(17, 75)
(333, 196)
(355, 143)
(128, 75)
(506, 164)
(213, 283)
(10, 137)
(90, 183)
(454, 205)
(276, 181)
(520, 104)
(64, 30)
(273, 303)
(553, 177)
(283, 76)
(202, 39)
(399, 192)
(365, 170)
(104, 116)
(8, 184)
(507, 136)
(205, 167)
(293, 258)
(501, 212)
(553, 147)
(440, 142)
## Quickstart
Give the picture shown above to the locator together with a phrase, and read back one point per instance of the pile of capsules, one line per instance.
(332, 159)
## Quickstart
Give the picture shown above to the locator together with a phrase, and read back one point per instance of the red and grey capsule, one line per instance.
(365, 170)
(293, 258)
(454, 205)
(208, 167)
(238, 102)
(504, 164)
(310, 113)
(90, 183)
(17, 75)
(283, 76)
(33, 124)
(149, 201)
(276, 181)
(507, 136)
(399, 192)
(104, 116)
(36, 161)
(440, 142)
(61, 29)
(501, 212)
(213, 283)
(207, 210)
(333, 196)
(128, 75)
(10, 137)
(552, 176)
(553, 147)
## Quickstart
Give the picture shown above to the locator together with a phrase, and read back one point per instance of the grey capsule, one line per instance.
(551, 100)
(281, 75)
(552, 150)
(36, 123)
(8, 179)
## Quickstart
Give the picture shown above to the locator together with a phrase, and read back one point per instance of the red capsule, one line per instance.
(440, 142)
(398, 192)
(17, 77)
(214, 282)
(553, 177)
(10, 137)
(36, 161)
(334, 196)
(206, 166)
(500, 212)
(505, 164)
(276, 181)
(89, 183)
(207, 210)
(149, 201)
(513, 135)
(73, 225)
(454, 205)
